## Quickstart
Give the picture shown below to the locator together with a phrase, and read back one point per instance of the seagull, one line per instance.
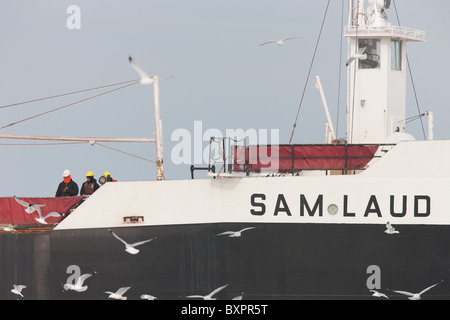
(234, 234)
(209, 296)
(8, 228)
(41, 218)
(378, 294)
(30, 208)
(240, 297)
(78, 286)
(416, 296)
(279, 42)
(359, 55)
(148, 297)
(18, 289)
(119, 294)
(130, 247)
(145, 78)
(390, 229)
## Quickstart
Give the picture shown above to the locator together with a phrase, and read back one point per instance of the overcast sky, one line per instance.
(216, 70)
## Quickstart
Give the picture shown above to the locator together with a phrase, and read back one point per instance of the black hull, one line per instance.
(273, 261)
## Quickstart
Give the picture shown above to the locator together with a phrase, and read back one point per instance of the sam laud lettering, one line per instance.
(317, 205)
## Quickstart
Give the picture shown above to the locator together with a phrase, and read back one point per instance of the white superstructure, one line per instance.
(376, 101)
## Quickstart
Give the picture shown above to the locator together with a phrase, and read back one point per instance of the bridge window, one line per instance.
(396, 55)
(372, 52)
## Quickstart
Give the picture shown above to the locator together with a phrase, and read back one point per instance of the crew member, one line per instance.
(90, 185)
(106, 178)
(68, 187)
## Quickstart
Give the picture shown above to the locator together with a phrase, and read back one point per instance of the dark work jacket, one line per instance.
(89, 188)
(72, 189)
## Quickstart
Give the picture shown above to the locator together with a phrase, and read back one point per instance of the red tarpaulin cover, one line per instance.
(11, 212)
(285, 158)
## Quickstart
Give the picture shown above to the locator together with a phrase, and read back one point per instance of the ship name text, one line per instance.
(395, 206)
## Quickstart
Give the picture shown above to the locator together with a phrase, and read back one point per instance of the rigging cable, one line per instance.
(340, 70)
(412, 78)
(413, 118)
(129, 154)
(76, 142)
(42, 144)
(309, 72)
(65, 94)
(354, 80)
(68, 105)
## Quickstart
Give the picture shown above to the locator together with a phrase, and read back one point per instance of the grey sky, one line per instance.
(221, 76)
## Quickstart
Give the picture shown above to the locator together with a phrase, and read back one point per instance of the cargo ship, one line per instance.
(363, 217)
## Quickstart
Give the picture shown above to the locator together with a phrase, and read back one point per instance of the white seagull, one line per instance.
(30, 208)
(359, 55)
(18, 289)
(279, 42)
(41, 218)
(119, 294)
(8, 228)
(240, 297)
(378, 294)
(145, 78)
(208, 296)
(148, 297)
(130, 247)
(78, 286)
(390, 229)
(416, 296)
(234, 234)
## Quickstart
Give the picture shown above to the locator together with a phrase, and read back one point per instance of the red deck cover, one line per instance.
(285, 158)
(11, 212)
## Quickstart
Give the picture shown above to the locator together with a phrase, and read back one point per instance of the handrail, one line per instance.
(392, 31)
(306, 157)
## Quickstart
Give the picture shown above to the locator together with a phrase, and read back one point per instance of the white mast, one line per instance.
(376, 102)
(158, 131)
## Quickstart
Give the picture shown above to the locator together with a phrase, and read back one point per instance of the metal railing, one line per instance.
(230, 157)
(390, 31)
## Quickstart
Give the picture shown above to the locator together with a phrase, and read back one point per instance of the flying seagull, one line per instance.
(234, 234)
(148, 297)
(78, 286)
(390, 229)
(18, 289)
(416, 296)
(41, 218)
(279, 42)
(118, 295)
(145, 78)
(378, 294)
(130, 247)
(209, 296)
(30, 208)
(359, 55)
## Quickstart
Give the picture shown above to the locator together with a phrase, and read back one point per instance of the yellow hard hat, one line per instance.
(89, 174)
(106, 174)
